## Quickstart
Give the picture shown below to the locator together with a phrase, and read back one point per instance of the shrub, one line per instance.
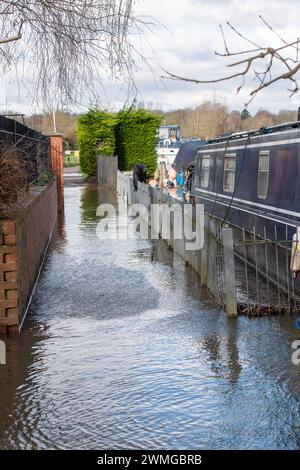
(13, 176)
(96, 135)
(136, 136)
(131, 134)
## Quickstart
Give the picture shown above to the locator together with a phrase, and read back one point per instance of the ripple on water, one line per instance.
(121, 350)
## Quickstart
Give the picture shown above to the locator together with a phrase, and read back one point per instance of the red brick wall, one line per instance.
(23, 240)
(8, 275)
(57, 167)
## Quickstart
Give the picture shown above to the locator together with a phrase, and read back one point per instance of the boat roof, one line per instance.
(187, 154)
(256, 132)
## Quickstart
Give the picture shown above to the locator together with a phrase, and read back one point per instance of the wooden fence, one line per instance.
(242, 272)
(214, 261)
(107, 168)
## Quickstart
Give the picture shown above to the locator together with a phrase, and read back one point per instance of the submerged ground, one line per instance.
(122, 350)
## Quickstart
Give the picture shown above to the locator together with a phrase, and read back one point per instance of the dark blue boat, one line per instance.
(187, 154)
(252, 179)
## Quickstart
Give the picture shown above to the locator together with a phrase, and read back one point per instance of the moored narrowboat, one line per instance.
(250, 181)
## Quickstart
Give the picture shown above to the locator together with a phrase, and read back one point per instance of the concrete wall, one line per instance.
(24, 237)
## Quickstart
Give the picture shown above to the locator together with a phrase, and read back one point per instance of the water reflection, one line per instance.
(122, 350)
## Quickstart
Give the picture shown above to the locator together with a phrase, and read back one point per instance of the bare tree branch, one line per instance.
(16, 37)
(271, 57)
(66, 47)
(10, 39)
(284, 76)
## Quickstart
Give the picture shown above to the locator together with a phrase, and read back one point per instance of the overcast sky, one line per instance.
(183, 42)
(187, 48)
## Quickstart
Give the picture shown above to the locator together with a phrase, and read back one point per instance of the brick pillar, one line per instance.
(9, 292)
(57, 167)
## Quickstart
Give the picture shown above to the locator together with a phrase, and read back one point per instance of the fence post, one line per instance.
(203, 255)
(56, 148)
(229, 273)
(211, 259)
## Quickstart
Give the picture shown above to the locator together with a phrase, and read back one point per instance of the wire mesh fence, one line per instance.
(31, 147)
(25, 158)
(267, 273)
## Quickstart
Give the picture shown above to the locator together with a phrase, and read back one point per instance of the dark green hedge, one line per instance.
(131, 134)
(96, 135)
(136, 136)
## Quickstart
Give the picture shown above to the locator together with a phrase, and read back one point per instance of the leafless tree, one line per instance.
(279, 63)
(66, 47)
(213, 118)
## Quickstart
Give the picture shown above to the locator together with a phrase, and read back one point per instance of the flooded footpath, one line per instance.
(121, 349)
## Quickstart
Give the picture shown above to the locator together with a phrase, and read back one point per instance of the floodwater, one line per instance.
(121, 349)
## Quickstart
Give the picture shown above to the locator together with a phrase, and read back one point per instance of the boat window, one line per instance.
(197, 172)
(229, 173)
(263, 174)
(205, 166)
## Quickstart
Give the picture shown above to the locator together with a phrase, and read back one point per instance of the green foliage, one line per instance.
(245, 114)
(96, 135)
(131, 134)
(71, 160)
(44, 178)
(136, 136)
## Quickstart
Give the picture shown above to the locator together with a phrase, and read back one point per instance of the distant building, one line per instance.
(171, 132)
